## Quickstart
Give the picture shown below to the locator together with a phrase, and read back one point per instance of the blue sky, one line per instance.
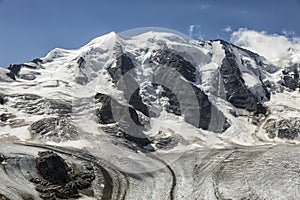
(31, 28)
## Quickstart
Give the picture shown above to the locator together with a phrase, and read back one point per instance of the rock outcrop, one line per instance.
(237, 93)
(291, 77)
(128, 122)
(283, 128)
(195, 105)
(55, 129)
(58, 180)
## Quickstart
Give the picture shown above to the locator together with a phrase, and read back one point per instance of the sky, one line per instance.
(31, 28)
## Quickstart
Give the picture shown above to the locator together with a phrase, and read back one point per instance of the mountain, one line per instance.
(128, 106)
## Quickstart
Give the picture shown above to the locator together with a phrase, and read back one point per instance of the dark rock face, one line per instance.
(81, 62)
(82, 77)
(58, 179)
(5, 116)
(177, 62)
(153, 93)
(162, 58)
(288, 133)
(16, 68)
(14, 71)
(205, 109)
(104, 113)
(11, 75)
(54, 129)
(2, 197)
(174, 105)
(137, 103)
(123, 65)
(2, 99)
(291, 78)
(127, 117)
(2, 158)
(196, 107)
(236, 91)
(131, 121)
(284, 129)
(52, 167)
(37, 61)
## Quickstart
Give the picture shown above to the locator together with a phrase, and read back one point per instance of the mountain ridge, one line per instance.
(144, 117)
(216, 69)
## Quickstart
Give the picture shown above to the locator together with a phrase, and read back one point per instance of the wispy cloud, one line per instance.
(227, 29)
(195, 32)
(191, 30)
(205, 6)
(288, 33)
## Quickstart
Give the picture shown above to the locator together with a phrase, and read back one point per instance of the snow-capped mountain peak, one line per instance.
(212, 86)
(151, 110)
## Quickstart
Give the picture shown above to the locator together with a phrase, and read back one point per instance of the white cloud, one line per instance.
(278, 49)
(227, 29)
(195, 32)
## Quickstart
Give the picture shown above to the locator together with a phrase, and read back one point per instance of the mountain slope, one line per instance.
(213, 85)
(155, 110)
